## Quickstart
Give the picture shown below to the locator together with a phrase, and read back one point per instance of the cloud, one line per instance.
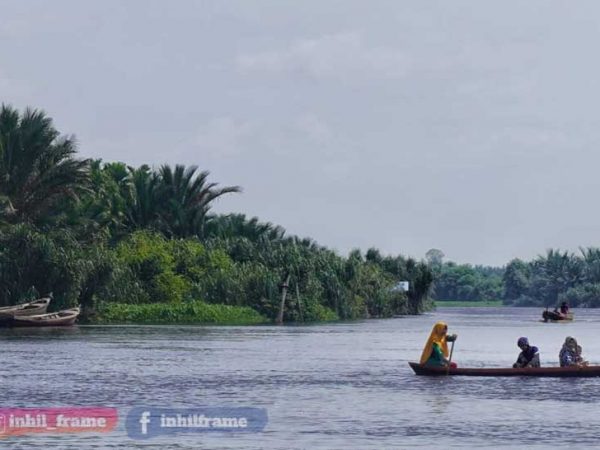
(306, 141)
(341, 56)
(12, 90)
(314, 128)
(25, 22)
(225, 136)
(229, 137)
(5, 83)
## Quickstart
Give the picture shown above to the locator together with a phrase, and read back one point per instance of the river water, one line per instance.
(332, 386)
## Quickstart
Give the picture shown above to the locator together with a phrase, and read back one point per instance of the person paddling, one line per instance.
(435, 352)
(529, 356)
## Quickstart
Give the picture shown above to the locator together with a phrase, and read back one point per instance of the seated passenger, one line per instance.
(529, 356)
(580, 359)
(564, 308)
(570, 354)
(435, 352)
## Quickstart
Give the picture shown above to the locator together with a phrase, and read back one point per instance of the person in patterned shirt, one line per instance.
(570, 354)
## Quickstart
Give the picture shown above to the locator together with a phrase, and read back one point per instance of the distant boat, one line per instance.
(25, 309)
(556, 316)
(62, 318)
(559, 372)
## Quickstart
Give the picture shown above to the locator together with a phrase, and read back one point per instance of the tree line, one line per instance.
(100, 233)
(553, 278)
(546, 281)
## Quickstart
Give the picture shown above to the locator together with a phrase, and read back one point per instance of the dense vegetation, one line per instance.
(467, 283)
(548, 280)
(553, 278)
(139, 244)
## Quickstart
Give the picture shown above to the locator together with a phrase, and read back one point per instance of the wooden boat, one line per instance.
(62, 318)
(25, 309)
(589, 371)
(555, 316)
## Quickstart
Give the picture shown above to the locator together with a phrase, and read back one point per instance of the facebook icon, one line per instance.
(146, 422)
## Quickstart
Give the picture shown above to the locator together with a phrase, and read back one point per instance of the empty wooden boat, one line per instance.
(62, 318)
(589, 371)
(25, 309)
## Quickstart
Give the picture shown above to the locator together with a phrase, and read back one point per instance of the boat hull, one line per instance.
(558, 372)
(551, 316)
(26, 309)
(63, 318)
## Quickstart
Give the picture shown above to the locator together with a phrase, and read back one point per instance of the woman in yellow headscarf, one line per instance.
(435, 352)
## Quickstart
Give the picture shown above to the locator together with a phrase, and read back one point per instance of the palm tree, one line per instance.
(591, 259)
(185, 198)
(141, 193)
(238, 225)
(38, 171)
(555, 274)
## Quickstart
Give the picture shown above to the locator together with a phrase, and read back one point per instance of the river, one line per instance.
(327, 386)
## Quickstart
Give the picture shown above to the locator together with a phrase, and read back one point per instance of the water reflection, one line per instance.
(325, 386)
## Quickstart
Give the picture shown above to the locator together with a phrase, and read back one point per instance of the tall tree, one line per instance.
(141, 198)
(38, 171)
(434, 257)
(238, 225)
(186, 198)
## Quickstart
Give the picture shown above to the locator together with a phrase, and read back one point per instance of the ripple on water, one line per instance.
(324, 386)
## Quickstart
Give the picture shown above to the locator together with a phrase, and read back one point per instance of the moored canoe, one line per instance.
(26, 309)
(589, 371)
(62, 318)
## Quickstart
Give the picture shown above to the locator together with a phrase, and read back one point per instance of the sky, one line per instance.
(467, 126)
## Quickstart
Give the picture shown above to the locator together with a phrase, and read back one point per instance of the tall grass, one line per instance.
(466, 304)
(180, 313)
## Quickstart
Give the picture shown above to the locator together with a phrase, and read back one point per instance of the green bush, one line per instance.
(183, 313)
(151, 260)
(319, 313)
(586, 295)
(34, 264)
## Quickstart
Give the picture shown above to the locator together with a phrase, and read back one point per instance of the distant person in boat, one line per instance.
(529, 356)
(435, 352)
(570, 354)
(564, 308)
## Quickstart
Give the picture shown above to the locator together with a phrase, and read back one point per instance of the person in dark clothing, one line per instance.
(564, 308)
(529, 356)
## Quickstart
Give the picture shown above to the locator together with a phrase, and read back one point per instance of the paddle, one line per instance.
(450, 358)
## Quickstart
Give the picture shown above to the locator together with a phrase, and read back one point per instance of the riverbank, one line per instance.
(188, 313)
(463, 304)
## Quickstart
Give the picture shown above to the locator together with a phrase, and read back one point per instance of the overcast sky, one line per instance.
(467, 126)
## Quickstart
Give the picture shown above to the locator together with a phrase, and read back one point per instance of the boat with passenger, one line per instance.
(558, 315)
(558, 372)
(555, 316)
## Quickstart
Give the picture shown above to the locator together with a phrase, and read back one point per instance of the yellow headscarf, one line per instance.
(438, 335)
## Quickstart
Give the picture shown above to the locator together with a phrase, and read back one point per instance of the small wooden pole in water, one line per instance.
(284, 287)
(299, 300)
(450, 358)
